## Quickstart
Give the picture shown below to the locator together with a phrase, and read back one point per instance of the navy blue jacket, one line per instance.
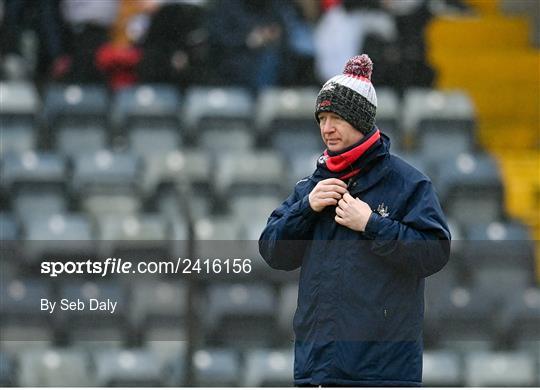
(361, 295)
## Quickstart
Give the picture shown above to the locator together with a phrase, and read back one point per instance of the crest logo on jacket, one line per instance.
(322, 159)
(383, 210)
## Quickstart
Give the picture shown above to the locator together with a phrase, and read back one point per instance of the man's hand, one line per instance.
(326, 193)
(353, 213)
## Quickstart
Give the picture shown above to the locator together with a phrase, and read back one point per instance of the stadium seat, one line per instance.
(256, 208)
(17, 138)
(148, 105)
(388, 115)
(21, 317)
(74, 105)
(103, 170)
(240, 315)
(208, 108)
(288, 142)
(58, 235)
(135, 237)
(227, 140)
(461, 318)
(225, 227)
(159, 307)
(499, 254)
(149, 142)
(470, 189)
(20, 102)
(9, 227)
(88, 326)
(7, 370)
(127, 368)
(301, 165)
(249, 173)
(512, 369)
(216, 367)
(286, 108)
(273, 368)
(172, 356)
(33, 170)
(427, 110)
(288, 300)
(519, 321)
(442, 368)
(74, 140)
(55, 368)
(27, 204)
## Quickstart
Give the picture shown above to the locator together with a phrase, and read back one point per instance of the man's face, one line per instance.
(336, 132)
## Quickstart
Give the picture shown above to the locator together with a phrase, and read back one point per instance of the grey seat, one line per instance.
(470, 188)
(225, 140)
(148, 142)
(389, 115)
(55, 367)
(514, 369)
(20, 102)
(216, 367)
(148, 105)
(288, 300)
(27, 204)
(127, 368)
(81, 326)
(301, 166)
(499, 254)
(22, 319)
(290, 141)
(7, 370)
(43, 235)
(9, 228)
(427, 109)
(209, 108)
(266, 367)
(254, 207)
(286, 108)
(75, 104)
(159, 310)
(31, 170)
(235, 172)
(442, 368)
(240, 314)
(17, 138)
(519, 320)
(73, 140)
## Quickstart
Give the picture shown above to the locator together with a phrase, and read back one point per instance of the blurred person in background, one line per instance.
(89, 24)
(365, 228)
(19, 59)
(246, 42)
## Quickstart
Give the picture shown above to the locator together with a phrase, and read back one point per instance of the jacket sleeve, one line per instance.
(420, 242)
(288, 230)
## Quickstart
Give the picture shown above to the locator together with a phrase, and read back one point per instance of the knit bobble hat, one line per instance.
(351, 95)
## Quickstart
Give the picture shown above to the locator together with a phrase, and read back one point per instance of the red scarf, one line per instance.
(344, 164)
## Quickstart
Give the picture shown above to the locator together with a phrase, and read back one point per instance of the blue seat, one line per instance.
(519, 321)
(389, 115)
(148, 105)
(75, 104)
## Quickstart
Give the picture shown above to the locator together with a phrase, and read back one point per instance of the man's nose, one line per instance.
(328, 126)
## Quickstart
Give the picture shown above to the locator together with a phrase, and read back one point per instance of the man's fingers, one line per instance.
(347, 197)
(337, 182)
(340, 212)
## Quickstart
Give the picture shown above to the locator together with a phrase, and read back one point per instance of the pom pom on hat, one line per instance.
(359, 66)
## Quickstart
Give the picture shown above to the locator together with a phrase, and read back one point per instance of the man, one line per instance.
(366, 228)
